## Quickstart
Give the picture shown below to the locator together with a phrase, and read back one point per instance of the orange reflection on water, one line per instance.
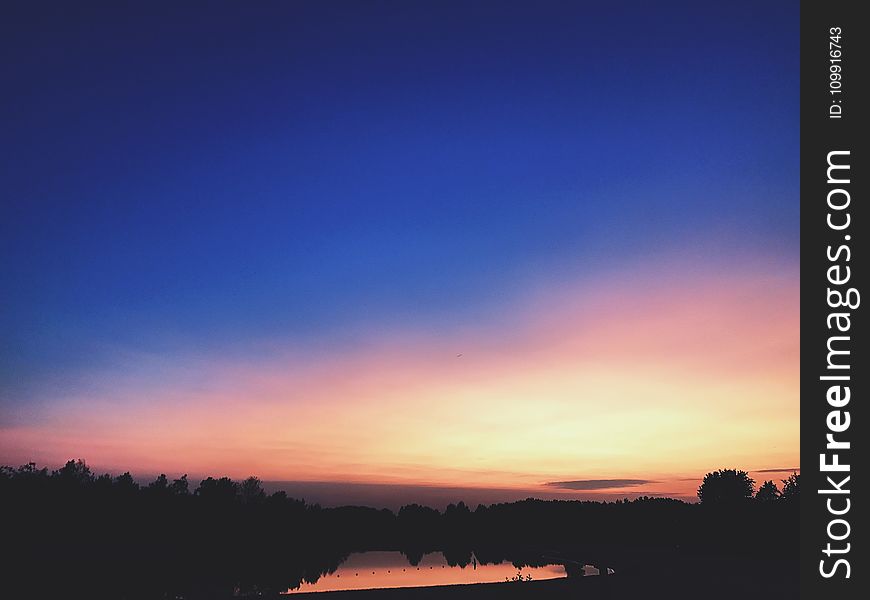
(377, 570)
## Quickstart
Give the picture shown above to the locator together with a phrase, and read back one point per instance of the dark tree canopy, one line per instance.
(768, 492)
(218, 490)
(160, 540)
(161, 484)
(251, 490)
(125, 483)
(74, 472)
(791, 487)
(726, 486)
(180, 486)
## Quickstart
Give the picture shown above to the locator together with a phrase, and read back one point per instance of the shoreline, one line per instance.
(713, 578)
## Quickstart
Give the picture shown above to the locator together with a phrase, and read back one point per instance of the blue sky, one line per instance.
(210, 175)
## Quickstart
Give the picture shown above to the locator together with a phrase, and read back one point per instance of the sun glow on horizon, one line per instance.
(655, 377)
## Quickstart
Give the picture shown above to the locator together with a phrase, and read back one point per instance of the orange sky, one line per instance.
(636, 375)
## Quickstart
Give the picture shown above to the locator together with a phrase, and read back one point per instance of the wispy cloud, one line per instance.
(789, 470)
(597, 484)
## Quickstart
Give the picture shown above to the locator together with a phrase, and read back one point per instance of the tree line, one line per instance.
(733, 486)
(169, 536)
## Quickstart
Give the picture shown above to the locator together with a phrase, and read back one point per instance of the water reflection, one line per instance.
(367, 570)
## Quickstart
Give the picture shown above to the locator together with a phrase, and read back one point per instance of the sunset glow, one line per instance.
(391, 245)
(413, 299)
(656, 378)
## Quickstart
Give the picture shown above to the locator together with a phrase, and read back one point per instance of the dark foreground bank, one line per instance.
(72, 533)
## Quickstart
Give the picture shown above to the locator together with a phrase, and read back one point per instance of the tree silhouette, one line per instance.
(726, 486)
(768, 492)
(231, 535)
(126, 483)
(161, 484)
(252, 491)
(180, 486)
(457, 511)
(791, 487)
(103, 483)
(413, 555)
(74, 472)
(223, 490)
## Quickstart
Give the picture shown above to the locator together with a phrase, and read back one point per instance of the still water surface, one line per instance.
(366, 570)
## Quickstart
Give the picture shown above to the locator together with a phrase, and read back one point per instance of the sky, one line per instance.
(543, 248)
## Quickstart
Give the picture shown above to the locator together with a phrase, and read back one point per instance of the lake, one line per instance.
(368, 570)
